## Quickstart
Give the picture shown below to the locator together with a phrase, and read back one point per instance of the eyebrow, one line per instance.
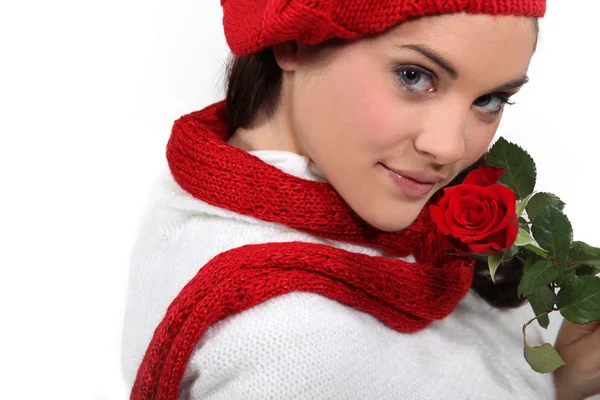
(435, 57)
(447, 66)
(512, 85)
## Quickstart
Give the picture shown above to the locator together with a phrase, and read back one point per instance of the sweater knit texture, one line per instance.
(405, 296)
(251, 26)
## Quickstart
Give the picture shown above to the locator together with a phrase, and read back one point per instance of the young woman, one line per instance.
(290, 253)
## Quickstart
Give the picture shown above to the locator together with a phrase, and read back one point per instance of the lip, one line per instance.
(413, 184)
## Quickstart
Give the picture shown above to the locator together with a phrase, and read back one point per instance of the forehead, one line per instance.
(474, 28)
(495, 46)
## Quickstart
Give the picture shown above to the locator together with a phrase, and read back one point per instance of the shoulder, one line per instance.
(178, 235)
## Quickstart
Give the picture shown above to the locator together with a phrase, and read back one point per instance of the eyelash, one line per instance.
(503, 98)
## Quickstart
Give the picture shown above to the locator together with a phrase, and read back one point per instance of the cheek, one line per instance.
(477, 141)
(351, 107)
(371, 115)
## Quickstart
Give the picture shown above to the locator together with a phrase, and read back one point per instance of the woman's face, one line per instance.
(391, 119)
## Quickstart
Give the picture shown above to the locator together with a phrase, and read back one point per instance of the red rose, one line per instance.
(479, 215)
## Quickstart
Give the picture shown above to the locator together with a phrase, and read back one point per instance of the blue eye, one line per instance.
(492, 103)
(414, 78)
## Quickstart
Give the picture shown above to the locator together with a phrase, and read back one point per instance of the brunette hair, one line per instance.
(254, 84)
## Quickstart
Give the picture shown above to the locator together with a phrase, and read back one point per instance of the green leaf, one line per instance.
(524, 225)
(544, 321)
(494, 262)
(541, 201)
(583, 253)
(566, 274)
(519, 167)
(543, 359)
(537, 250)
(522, 204)
(542, 301)
(587, 270)
(524, 238)
(511, 253)
(537, 275)
(529, 263)
(580, 301)
(552, 230)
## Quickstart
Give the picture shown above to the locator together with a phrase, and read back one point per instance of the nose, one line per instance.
(443, 135)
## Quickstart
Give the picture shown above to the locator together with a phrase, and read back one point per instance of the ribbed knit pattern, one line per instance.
(405, 296)
(205, 166)
(252, 25)
(302, 345)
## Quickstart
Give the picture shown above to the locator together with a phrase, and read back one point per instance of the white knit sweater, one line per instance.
(304, 345)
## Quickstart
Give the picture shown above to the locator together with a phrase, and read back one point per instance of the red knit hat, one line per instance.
(252, 25)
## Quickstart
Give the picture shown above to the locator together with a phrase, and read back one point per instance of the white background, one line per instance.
(88, 93)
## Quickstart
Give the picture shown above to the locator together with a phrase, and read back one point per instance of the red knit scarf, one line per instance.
(405, 296)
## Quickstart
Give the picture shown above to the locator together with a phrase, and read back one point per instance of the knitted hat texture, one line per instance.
(253, 25)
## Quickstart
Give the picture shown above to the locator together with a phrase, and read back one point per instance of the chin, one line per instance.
(390, 223)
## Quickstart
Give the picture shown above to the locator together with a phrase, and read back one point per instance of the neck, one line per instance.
(268, 131)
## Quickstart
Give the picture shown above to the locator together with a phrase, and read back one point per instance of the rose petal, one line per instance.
(496, 224)
(448, 195)
(466, 209)
(500, 211)
(499, 241)
(474, 228)
(506, 210)
(471, 218)
(496, 214)
(480, 248)
(484, 176)
(437, 215)
(507, 197)
(512, 230)
(475, 215)
(449, 216)
(495, 244)
(476, 218)
(487, 208)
